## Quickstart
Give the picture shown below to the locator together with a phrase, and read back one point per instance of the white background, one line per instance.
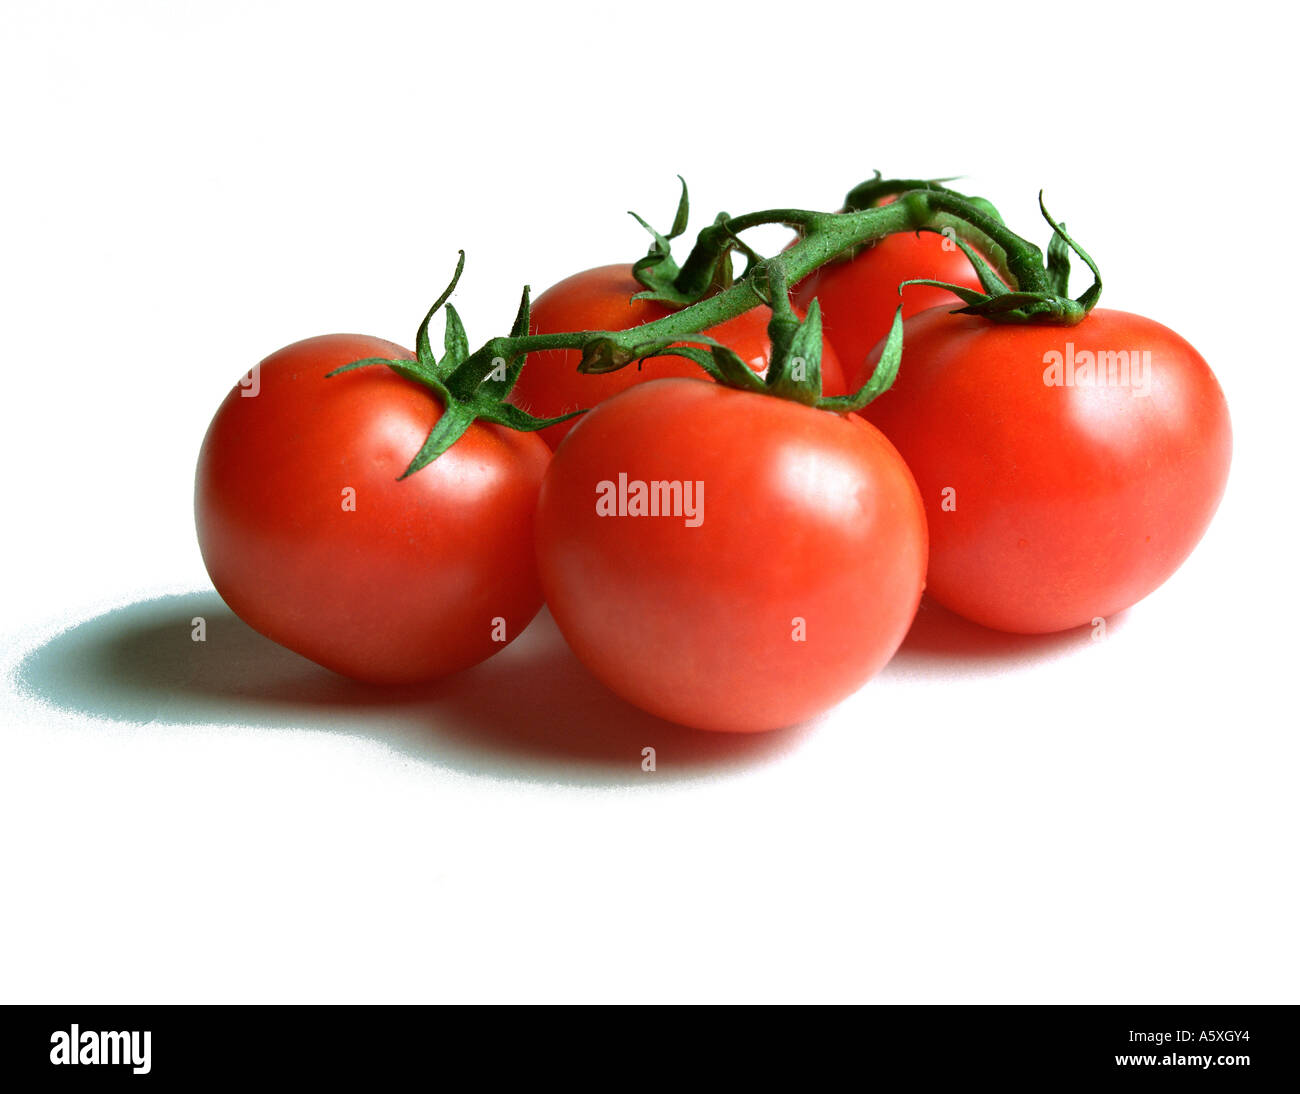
(992, 819)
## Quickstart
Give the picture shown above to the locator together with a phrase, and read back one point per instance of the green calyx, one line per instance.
(1041, 294)
(709, 270)
(464, 402)
(794, 366)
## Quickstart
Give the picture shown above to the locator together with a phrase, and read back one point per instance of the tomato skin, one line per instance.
(599, 299)
(1072, 502)
(806, 514)
(858, 297)
(405, 587)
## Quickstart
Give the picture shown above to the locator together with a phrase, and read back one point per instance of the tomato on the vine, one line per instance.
(600, 299)
(310, 537)
(1066, 471)
(859, 296)
(782, 571)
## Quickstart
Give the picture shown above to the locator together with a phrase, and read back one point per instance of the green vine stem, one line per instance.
(1019, 284)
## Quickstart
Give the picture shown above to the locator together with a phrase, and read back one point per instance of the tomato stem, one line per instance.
(1019, 286)
(1018, 264)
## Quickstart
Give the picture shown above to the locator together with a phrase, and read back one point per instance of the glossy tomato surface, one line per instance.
(600, 299)
(794, 586)
(1052, 504)
(311, 539)
(859, 297)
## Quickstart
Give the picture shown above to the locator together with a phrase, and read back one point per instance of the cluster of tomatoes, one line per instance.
(722, 558)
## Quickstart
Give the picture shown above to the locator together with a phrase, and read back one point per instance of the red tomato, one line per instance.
(781, 575)
(550, 383)
(311, 539)
(1051, 505)
(859, 297)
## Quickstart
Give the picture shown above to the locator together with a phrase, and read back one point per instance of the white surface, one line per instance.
(990, 820)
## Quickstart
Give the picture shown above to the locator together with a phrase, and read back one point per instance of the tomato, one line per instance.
(783, 571)
(599, 299)
(1052, 503)
(858, 297)
(311, 539)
